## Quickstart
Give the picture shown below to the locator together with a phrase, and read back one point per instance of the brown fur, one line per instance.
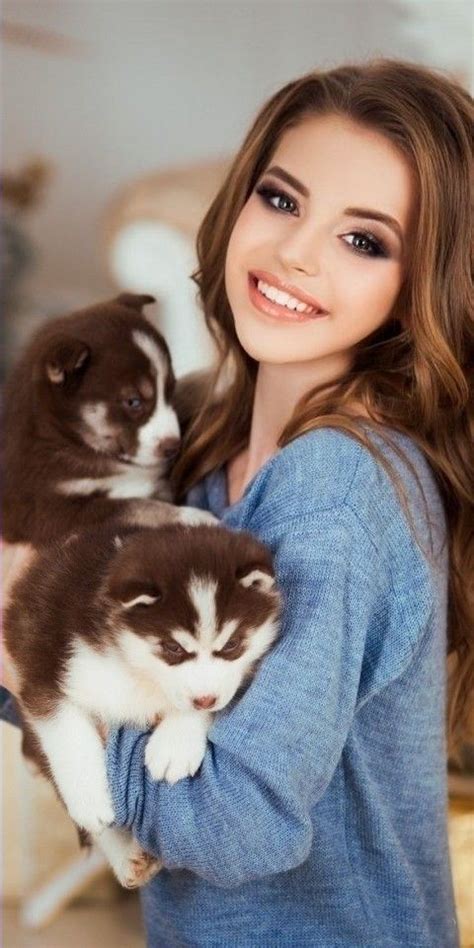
(76, 592)
(72, 360)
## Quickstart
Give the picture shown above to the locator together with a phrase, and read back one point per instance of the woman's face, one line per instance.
(348, 263)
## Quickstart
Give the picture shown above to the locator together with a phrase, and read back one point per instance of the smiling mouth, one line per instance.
(278, 310)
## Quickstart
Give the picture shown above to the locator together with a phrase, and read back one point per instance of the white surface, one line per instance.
(151, 257)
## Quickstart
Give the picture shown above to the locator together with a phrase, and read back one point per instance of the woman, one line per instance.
(334, 275)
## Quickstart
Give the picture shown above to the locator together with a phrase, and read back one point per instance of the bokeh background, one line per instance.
(119, 120)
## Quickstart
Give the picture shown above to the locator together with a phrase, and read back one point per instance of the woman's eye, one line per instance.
(267, 194)
(134, 403)
(367, 244)
(377, 248)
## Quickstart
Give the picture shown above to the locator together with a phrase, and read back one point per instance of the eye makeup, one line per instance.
(378, 248)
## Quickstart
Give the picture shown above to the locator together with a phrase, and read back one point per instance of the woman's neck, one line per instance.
(278, 389)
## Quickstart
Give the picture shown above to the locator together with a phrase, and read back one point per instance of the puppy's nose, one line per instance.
(205, 702)
(169, 448)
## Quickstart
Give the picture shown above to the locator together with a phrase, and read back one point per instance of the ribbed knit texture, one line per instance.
(319, 815)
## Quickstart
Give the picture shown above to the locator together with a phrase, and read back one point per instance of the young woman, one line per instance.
(334, 274)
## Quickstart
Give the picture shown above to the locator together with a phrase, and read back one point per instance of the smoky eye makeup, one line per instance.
(267, 191)
(373, 245)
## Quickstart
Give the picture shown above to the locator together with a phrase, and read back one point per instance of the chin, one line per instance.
(265, 347)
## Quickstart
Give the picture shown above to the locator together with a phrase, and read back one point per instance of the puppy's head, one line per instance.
(104, 377)
(193, 609)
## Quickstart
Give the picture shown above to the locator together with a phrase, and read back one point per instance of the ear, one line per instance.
(134, 592)
(258, 577)
(143, 599)
(134, 300)
(66, 360)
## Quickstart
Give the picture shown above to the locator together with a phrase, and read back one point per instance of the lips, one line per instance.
(287, 288)
(276, 311)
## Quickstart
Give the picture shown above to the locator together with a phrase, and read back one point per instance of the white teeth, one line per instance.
(284, 299)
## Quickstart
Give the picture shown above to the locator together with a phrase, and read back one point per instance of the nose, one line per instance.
(169, 448)
(300, 251)
(205, 702)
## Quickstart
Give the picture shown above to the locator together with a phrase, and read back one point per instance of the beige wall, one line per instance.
(37, 836)
(153, 83)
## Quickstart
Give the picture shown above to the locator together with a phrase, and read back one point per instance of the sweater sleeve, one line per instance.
(8, 707)
(272, 753)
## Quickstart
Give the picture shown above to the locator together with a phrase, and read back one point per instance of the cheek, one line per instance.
(367, 293)
(246, 246)
(233, 262)
(125, 431)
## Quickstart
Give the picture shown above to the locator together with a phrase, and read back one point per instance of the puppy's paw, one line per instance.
(133, 867)
(174, 751)
(139, 868)
(193, 517)
(92, 811)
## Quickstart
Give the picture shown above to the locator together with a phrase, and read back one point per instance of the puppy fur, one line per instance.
(90, 431)
(177, 619)
(89, 425)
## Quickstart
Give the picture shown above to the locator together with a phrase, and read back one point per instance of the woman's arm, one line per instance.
(271, 756)
(16, 558)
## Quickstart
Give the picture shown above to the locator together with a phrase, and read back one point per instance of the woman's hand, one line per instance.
(16, 558)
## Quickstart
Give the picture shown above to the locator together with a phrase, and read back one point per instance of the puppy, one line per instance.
(90, 431)
(89, 426)
(155, 628)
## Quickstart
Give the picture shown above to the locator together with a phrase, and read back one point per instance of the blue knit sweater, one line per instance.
(319, 815)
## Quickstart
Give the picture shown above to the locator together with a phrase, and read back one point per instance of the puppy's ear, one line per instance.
(135, 300)
(130, 593)
(258, 576)
(66, 360)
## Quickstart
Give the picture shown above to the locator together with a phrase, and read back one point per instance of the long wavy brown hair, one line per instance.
(411, 374)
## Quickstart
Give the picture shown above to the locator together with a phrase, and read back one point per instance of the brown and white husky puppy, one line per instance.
(89, 432)
(89, 426)
(157, 628)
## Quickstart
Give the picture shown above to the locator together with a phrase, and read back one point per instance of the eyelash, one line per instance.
(265, 192)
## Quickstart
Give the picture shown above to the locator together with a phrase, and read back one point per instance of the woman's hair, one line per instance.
(411, 374)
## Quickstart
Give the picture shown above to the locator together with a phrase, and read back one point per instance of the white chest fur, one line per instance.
(102, 684)
(127, 483)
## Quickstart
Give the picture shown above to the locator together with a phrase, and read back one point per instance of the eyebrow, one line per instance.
(364, 212)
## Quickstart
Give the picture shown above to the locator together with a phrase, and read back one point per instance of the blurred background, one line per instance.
(120, 118)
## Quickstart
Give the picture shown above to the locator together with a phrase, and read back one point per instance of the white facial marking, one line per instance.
(163, 423)
(202, 593)
(96, 431)
(225, 634)
(185, 639)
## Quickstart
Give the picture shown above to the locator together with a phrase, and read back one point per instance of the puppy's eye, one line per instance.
(134, 403)
(172, 647)
(230, 646)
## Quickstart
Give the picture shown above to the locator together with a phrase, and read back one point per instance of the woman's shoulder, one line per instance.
(330, 466)
(327, 468)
